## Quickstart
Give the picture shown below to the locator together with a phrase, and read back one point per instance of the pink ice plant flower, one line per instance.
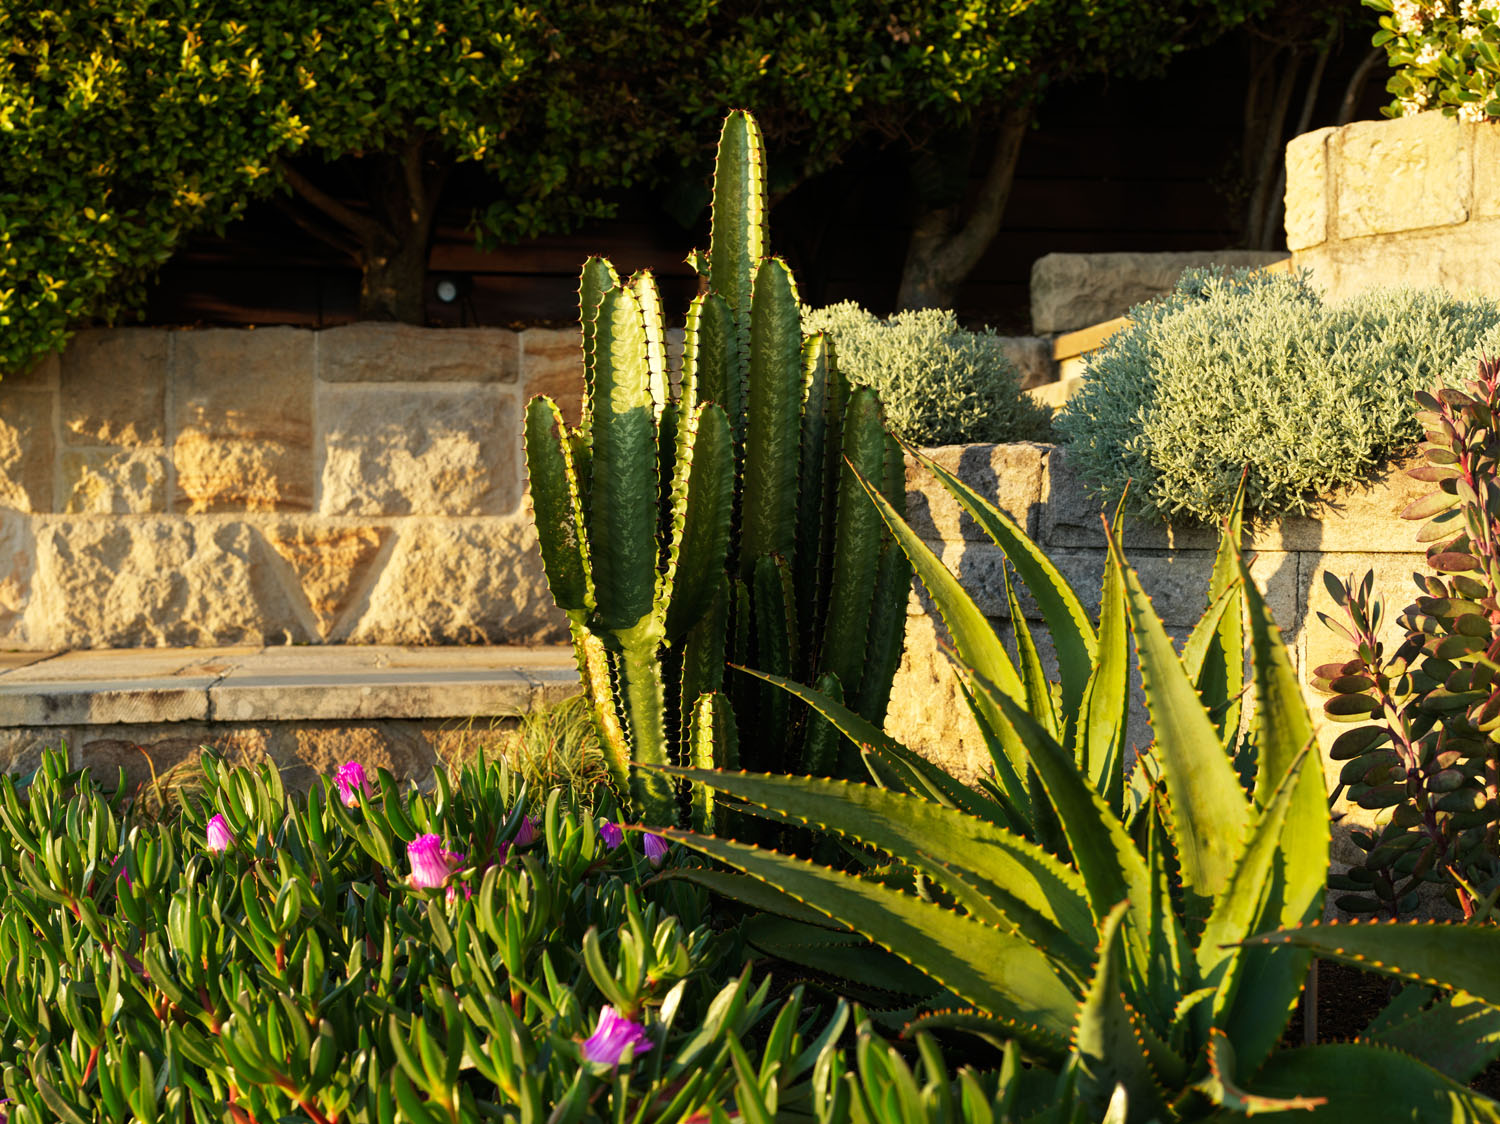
(656, 848)
(613, 1036)
(526, 834)
(218, 835)
(611, 834)
(352, 780)
(430, 864)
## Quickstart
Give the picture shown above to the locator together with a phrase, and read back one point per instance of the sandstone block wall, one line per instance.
(1356, 531)
(1408, 201)
(363, 484)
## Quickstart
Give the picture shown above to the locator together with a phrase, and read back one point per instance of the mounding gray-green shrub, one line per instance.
(941, 384)
(1236, 369)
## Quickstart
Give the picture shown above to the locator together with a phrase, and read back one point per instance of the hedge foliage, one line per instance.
(1250, 369)
(940, 384)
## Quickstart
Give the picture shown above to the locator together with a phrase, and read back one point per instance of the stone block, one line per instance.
(1405, 173)
(460, 581)
(1071, 291)
(41, 375)
(1462, 259)
(552, 364)
(114, 481)
(1032, 356)
(141, 749)
(419, 450)
(244, 385)
(17, 578)
(927, 711)
(374, 352)
(156, 580)
(21, 747)
(27, 448)
(1484, 143)
(219, 474)
(1071, 517)
(305, 751)
(114, 386)
(1008, 476)
(331, 563)
(1307, 189)
(1364, 518)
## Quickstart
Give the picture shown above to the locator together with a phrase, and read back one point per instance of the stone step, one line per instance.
(301, 706)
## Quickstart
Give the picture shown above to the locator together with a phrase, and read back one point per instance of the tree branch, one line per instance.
(968, 244)
(337, 239)
(366, 229)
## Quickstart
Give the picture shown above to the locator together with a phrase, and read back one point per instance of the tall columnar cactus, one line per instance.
(715, 515)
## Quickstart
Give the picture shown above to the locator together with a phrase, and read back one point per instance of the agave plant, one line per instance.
(1160, 959)
(717, 512)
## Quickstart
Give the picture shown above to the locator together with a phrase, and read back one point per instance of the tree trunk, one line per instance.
(945, 242)
(390, 236)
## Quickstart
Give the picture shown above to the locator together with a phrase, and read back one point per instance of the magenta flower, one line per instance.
(352, 780)
(612, 1037)
(611, 834)
(656, 848)
(527, 832)
(430, 864)
(218, 834)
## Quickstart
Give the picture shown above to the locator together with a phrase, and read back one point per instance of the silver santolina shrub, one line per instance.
(940, 384)
(1236, 369)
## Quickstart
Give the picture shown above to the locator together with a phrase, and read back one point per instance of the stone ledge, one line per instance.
(278, 684)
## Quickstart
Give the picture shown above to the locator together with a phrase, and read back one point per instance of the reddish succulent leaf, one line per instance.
(1453, 561)
(1429, 505)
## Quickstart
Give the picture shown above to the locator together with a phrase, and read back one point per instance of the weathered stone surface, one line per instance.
(1463, 259)
(233, 475)
(552, 364)
(1071, 517)
(42, 375)
(1405, 173)
(17, 578)
(376, 352)
(21, 748)
(331, 563)
(114, 481)
(1071, 291)
(927, 712)
(114, 385)
(1365, 518)
(1484, 143)
(1009, 476)
(27, 448)
(140, 749)
(1307, 189)
(1032, 356)
(451, 581)
(246, 385)
(307, 750)
(156, 580)
(419, 451)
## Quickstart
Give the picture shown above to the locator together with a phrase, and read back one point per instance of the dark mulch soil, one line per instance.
(1347, 1000)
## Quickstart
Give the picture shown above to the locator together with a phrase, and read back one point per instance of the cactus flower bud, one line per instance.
(613, 1036)
(352, 780)
(656, 848)
(218, 835)
(430, 864)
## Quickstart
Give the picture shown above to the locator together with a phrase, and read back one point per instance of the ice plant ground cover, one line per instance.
(261, 958)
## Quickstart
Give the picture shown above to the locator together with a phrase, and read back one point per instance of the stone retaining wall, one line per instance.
(363, 484)
(1357, 531)
(1408, 201)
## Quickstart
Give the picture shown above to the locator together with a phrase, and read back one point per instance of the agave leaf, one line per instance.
(1072, 635)
(977, 646)
(998, 971)
(1043, 898)
(1463, 957)
(1363, 1081)
(1105, 1036)
(752, 892)
(1170, 970)
(1221, 679)
(1106, 699)
(934, 781)
(1458, 1036)
(1208, 810)
(1222, 1086)
(1195, 651)
(848, 956)
(1033, 678)
(999, 1033)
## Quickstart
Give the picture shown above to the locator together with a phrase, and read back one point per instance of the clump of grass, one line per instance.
(162, 798)
(558, 748)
